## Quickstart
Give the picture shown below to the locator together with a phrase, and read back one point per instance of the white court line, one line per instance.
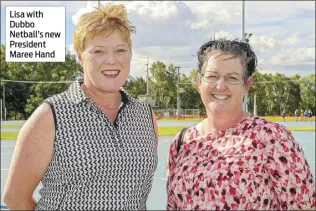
(4, 169)
(7, 146)
(161, 178)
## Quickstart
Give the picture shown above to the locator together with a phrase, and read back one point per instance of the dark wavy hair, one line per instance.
(234, 47)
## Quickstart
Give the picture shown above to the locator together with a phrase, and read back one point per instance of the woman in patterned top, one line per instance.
(233, 160)
(92, 146)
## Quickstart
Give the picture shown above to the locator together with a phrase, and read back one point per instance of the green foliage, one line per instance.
(274, 93)
(135, 86)
(21, 99)
(163, 85)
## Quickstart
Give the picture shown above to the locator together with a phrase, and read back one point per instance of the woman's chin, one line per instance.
(109, 87)
(218, 109)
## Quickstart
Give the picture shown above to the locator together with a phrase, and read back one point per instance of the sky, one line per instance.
(283, 32)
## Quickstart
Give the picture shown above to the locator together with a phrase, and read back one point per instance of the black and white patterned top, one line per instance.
(98, 165)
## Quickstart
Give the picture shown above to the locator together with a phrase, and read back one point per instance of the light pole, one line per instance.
(178, 92)
(3, 97)
(147, 78)
(244, 38)
(1, 109)
(243, 21)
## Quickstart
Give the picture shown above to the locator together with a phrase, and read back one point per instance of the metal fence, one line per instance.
(172, 113)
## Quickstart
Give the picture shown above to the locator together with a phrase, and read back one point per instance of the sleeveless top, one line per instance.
(97, 164)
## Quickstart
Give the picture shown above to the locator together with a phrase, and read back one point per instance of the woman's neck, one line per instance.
(221, 122)
(105, 99)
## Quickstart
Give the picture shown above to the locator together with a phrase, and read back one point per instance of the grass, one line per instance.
(162, 131)
(301, 128)
(10, 126)
(9, 135)
(169, 131)
(287, 118)
(269, 118)
(180, 120)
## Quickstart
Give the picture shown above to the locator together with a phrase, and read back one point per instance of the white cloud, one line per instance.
(138, 65)
(262, 43)
(71, 7)
(292, 56)
(172, 31)
(225, 34)
(293, 40)
(265, 44)
(258, 11)
(288, 70)
(210, 13)
(261, 62)
(79, 13)
(156, 10)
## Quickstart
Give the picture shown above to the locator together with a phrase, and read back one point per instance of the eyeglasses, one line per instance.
(213, 77)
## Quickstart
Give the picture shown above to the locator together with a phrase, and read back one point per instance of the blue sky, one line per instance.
(283, 31)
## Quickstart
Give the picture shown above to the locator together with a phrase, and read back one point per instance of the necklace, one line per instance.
(108, 107)
(99, 104)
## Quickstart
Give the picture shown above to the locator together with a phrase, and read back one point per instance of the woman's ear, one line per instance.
(249, 83)
(198, 79)
(79, 58)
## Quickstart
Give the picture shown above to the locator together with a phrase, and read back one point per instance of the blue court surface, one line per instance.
(158, 197)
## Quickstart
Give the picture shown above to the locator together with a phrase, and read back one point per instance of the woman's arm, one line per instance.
(290, 172)
(171, 164)
(31, 157)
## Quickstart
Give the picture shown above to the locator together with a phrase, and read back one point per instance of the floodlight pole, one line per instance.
(1, 109)
(243, 39)
(243, 22)
(4, 108)
(178, 92)
(147, 78)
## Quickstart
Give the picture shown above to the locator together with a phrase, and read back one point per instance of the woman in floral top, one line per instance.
(233, 160)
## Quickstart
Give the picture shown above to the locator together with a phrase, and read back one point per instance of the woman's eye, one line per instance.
(211, 76)
(121, 50)
(232, 78)
(97, 51)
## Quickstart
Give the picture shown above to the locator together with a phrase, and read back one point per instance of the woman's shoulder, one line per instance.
(259, 121)
(186, 134)
(265, 128)
(57, 100)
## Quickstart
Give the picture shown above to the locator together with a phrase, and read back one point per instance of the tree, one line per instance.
(135, 86)
(23, 98)
(163, 84)
(308, 92)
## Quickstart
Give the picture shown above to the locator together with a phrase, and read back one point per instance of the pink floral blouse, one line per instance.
(256, 165)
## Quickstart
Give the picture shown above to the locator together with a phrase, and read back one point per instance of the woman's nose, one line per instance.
(110, 59)
(221, 84)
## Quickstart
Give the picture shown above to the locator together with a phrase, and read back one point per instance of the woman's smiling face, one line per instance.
(222, 85)
(106, 62)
